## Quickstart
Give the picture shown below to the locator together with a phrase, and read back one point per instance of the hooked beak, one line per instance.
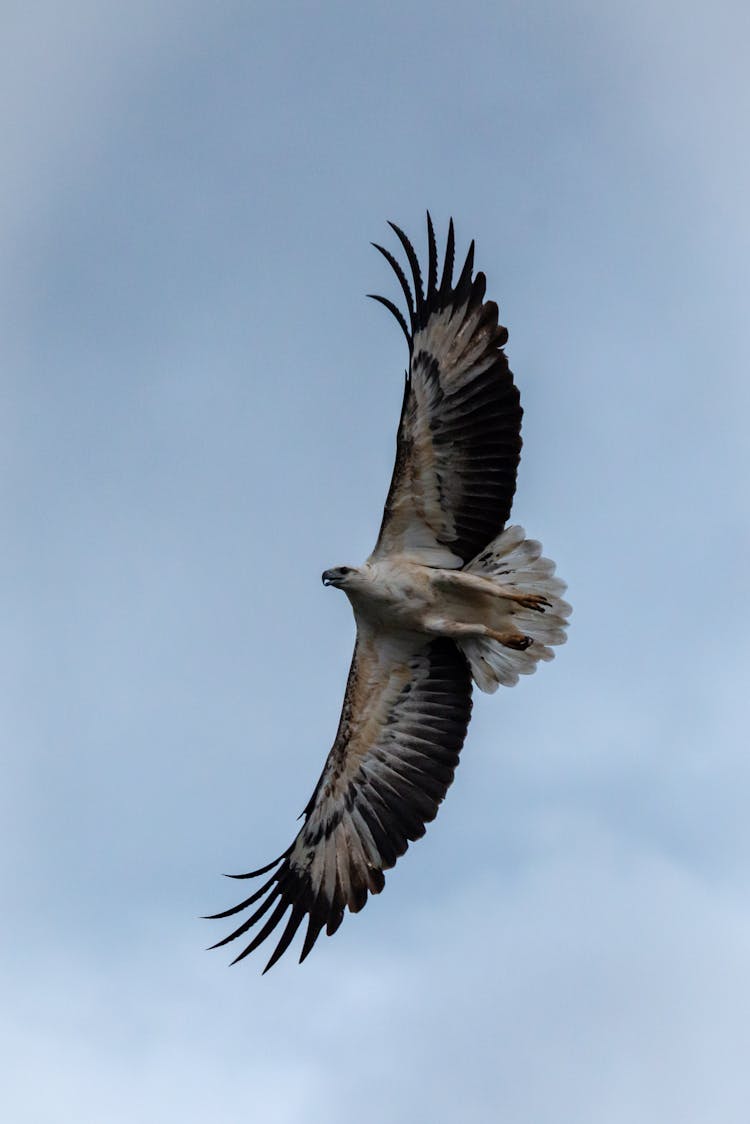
(327, 577)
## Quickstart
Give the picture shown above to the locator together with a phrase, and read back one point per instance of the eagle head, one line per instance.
(338, 576)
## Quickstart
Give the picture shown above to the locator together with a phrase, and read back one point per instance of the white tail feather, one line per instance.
(516, 563)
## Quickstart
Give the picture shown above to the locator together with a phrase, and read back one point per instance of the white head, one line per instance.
(341, 576)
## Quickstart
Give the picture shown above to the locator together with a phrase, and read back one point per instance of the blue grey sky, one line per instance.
(199, 413)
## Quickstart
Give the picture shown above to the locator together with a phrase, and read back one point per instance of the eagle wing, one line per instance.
(403, 723)
(459, 438)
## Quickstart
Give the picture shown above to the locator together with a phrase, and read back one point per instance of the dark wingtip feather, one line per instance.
(463, 287)
(414, 263)
(318, 917)
(446, 282)
(393, 263)
(262, 869)
(293, 924)
(478, 289)
(267, 929)
(334, 920)
(396, 312)
(220, 944)
(248, 924)
(432, 268)
(243, 905)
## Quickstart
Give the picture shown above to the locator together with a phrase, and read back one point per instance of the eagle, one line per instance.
(450, 596)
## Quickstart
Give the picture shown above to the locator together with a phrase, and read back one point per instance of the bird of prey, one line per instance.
(449, 595)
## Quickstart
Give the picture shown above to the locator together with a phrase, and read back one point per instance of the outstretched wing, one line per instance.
(459, 438)
(403, 723)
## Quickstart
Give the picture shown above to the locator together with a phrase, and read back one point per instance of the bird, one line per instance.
(450, 597)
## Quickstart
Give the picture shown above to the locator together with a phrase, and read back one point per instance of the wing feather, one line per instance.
(393, 263)
(459, 435)
(402, 726)
(446, 281)
(415, 270)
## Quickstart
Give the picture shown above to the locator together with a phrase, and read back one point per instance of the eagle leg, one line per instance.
(462, 580)
(457, 630)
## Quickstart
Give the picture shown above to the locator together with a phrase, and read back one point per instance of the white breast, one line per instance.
(393, 593)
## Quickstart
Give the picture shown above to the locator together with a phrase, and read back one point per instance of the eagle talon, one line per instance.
(534, 601)
(519, 644)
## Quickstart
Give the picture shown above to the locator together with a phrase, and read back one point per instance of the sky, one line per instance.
(198, 416)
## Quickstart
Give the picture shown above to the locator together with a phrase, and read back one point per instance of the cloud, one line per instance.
(608, 983)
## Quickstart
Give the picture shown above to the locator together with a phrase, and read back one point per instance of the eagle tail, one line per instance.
(539, 616)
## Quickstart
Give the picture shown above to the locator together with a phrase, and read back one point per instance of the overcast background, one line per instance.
(198, 416)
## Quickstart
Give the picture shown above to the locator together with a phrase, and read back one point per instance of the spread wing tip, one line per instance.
(421, 303)
(283, 890)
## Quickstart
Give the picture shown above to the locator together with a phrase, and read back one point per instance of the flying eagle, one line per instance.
(448, 595)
